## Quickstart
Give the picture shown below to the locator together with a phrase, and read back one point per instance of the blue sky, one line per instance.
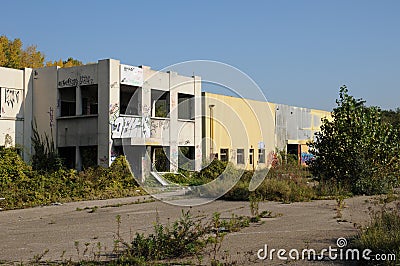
(298, 52)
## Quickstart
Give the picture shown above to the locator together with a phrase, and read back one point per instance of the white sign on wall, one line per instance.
(131, 75)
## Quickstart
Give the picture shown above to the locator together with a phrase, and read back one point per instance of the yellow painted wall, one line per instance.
(239, 124)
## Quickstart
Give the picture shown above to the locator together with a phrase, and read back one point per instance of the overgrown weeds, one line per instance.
(188, 236)
(21, 186)
(286, 182)
(382, 235)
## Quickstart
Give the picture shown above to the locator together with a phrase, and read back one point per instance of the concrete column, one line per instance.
(28, 110)
(198, 122)
(173, 128)
(145, 111)
(78, 159)
(108, 92)
(78, 97)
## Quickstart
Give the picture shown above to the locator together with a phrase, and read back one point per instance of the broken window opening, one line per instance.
(240, 156)
(130, 100)
(88, 156)
(261, 155)
(185, 106)
(90, 100)
(160, 103)
(224, 155)
(160, 161)
(67, 101)
(186, 157)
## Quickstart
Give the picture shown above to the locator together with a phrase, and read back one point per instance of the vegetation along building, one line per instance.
(159, 120)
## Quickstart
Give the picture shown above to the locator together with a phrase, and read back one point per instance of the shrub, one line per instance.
(183, 237)
(23, 187)
(356, 150)
(45, 157)
(287, 182)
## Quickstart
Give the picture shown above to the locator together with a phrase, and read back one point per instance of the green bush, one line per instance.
(357, 150)
(287, 182)
(176, 178)
(45, 157)
(23, 187)
(183, 237)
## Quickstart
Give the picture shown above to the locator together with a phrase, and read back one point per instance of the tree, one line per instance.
(356, 150)
(70, 62)
(392, 117)
(13, 55)
(32, 58)
(3, 50)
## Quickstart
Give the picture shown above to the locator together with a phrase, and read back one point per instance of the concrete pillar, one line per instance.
(78, 159)
(173, 128)
(108, 92)
(198, 123)
(78, 97)
(28, 110)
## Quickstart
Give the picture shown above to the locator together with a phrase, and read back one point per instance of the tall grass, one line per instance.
(286, 182)
(382, 235)
(21, 186)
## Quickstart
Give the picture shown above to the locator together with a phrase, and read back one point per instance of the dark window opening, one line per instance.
(251, 156)
(67, 154)
(224, 155)
(88, 156)
(89, 100)
(261, 155)
(240, 156)
(160, 103)
(160, 161)
(68, 101)
(130, 99)
(186, 157)
(116, 151)
(185, 106)
(293, 150)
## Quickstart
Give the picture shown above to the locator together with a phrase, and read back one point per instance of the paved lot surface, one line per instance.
(27, 233)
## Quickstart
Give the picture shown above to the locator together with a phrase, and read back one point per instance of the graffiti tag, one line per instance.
(11, 97)
(82, 80)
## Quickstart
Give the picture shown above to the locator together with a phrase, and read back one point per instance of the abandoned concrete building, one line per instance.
(98, 111)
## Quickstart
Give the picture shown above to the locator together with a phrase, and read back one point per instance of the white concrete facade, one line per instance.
(16, 109)
(160, 120)
(88, 112)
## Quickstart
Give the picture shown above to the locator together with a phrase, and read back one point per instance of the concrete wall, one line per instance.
(44, 101)
(108, 89)
(297, 126)
(238, 124)
(12, 107)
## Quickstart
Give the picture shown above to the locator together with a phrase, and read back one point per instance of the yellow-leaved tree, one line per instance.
(70, 62)
(13, 55)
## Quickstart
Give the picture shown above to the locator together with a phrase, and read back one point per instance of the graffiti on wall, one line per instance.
(73, 82)
(113, 112)
(8, 141)
(272, 159)
(51, 117)
(12, 97)
(184, 142)
(157, 127)
(306, 157)
(127, 127)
